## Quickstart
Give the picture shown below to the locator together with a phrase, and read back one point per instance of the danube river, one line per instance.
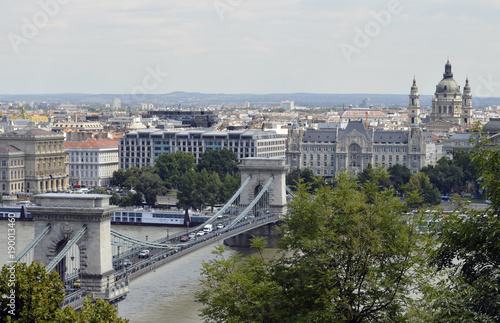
(165, 295)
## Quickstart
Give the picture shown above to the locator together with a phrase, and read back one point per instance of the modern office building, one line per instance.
(141, 148)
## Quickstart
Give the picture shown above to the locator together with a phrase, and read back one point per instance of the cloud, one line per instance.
(262, 46)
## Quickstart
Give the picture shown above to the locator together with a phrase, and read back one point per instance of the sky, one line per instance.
(247, 46)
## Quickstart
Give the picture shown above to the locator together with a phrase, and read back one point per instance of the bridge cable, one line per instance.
(253, 203)
(33, 243)
(66, 248)
(227, 205)
(125, 237)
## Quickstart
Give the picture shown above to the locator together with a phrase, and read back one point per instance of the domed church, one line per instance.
(450, 108)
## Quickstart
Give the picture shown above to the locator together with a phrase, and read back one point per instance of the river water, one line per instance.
(165, 295)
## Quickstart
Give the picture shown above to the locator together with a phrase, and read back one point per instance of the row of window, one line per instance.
(13, 162)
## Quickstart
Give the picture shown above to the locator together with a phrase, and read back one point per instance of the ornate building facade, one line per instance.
(92, 162)
(34, 161)
(450, 107)
(327, 152)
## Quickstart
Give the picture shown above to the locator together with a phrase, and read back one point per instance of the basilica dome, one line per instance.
(448, 85)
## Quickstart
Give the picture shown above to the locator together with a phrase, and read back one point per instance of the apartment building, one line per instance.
(141, 148)
(92, 162)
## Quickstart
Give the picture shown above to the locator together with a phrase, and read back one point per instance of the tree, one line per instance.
(446, 176)
(150, 185)
(213, 189)
(420, 184)
(36, 296)
(346, 257)
(305, 176)
(399, 176)
(118, 178)
(369, 173)
(186, 196)
(469, 249)
(172, 167)
(132, 199)
(229, 186)
(463, 160)
(220, 161)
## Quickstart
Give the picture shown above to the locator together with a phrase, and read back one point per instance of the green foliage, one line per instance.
(305, 176)
(131, 199)
(172, 167)
(399, 176)
(463, 160)
(369, 173)
(38, 294)
(230, 185)
(221, 162)
(98, 312)
(347, 257)
(469, 250)
(150, 185)
(486, 157)
(445, 175)
(420, 184)
(126, 179)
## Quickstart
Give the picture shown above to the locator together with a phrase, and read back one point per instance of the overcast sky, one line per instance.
(247, 46)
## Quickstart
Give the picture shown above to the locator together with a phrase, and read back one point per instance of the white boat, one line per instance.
(157, 217)
(19, 211)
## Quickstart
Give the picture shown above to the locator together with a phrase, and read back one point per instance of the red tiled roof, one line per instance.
(92, 143)
(8, 148)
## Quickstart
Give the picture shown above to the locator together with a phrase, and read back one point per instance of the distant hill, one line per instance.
(187, 99)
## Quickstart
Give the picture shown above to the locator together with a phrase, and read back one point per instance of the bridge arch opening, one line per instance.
(263, 204)
(61, 267)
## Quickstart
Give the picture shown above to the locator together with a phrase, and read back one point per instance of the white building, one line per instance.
(140, 148)
(287, 105)
(92, 163)
(117, 103)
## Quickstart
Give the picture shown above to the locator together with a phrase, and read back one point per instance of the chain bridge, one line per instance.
(73, 234)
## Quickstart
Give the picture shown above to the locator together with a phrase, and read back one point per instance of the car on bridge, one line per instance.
(144, 254)
(185, 239)
(127, 263)
(200, 233)
(220, 226)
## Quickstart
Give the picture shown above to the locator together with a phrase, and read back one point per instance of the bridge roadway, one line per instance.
(145, 266)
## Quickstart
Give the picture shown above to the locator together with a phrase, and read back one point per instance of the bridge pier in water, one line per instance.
(69, 215)
(259, 171)
(242, 240)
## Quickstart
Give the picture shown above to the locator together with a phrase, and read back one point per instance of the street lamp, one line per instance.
(118, 258)
(187, 226)
(167, 233)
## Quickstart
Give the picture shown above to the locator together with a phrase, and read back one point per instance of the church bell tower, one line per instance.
(414, 105)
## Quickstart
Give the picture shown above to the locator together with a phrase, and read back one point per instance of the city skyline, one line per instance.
(238, 46)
